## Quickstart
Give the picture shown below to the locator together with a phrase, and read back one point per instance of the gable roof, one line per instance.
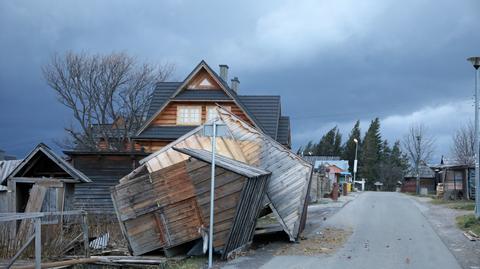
(42, 148)
(264, 111)
(165, 101)
(224, 162)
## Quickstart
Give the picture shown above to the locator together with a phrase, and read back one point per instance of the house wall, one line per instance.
(169, 114)
(104, 171)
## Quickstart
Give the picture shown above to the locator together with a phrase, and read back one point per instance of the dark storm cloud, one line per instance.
(331, 61)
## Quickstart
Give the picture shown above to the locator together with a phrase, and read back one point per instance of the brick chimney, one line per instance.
(224, 72)
(235, 84)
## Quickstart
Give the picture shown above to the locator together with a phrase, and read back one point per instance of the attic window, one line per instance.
(189, 115)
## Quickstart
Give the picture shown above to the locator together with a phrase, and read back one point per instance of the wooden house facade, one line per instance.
(170, 207)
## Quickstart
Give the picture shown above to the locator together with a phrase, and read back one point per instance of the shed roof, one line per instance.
(42, 148)
(224, 162)
(6, 167)
(342, 164)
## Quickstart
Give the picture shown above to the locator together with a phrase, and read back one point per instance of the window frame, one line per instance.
(184, 123)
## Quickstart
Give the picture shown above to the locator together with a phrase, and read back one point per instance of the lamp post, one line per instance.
(214, 130)
(476, 64)
(417, 164)
(355, 161)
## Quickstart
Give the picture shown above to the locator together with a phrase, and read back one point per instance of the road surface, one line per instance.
(389, 231)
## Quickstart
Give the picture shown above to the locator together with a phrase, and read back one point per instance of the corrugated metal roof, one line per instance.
(224, 162)
(6, 167)
(283, 134)
(165, 132)
(342, 164)
(425, 172)
(311, 159)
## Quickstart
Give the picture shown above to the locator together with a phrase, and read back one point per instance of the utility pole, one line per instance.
(476, 64)
(355, 161)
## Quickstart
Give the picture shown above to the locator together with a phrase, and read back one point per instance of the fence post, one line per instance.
(85, 234)
(38, 243)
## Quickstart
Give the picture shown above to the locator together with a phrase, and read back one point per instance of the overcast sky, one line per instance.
(332, 62)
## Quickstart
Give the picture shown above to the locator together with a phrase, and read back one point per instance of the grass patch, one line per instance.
(469, 222)
(458, 205)
(188, 263)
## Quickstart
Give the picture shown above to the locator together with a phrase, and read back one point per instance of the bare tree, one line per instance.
(463, 144)
(419, 147)
(107, 94)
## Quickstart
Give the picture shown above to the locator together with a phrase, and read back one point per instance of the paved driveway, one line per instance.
(389, 231)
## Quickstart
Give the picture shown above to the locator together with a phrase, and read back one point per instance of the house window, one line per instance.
(189, 115)
(212, 112)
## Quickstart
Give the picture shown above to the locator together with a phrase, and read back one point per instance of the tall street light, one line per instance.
(476, 64)
(355, 161)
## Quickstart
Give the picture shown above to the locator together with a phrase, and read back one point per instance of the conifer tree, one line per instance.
(371, 153)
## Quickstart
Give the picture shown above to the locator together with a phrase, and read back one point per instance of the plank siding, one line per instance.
(288, 186)
(168, 116)
(176, 200)
(105, 172)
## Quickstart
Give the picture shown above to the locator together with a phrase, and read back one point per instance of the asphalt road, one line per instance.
(389, 231)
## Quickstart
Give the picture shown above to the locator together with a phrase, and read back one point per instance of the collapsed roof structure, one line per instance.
(287, 187)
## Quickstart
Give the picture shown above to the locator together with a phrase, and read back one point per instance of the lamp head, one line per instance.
(475, 62)
(355, 140)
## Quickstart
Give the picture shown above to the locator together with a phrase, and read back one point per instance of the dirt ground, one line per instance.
(324, 242)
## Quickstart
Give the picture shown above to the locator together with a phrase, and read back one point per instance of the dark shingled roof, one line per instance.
(202, 95)
(161, 94)
(265, 110)
(283, 130)
(165, 132)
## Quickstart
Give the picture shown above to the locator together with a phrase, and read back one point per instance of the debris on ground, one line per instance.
(325, 242)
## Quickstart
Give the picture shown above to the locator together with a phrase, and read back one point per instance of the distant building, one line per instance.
(427, 180)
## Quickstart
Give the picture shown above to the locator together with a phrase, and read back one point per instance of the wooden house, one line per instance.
(458, 180)
(427, 180)
(179, 107)
(176, 108)
(170, 207)
(289, 183)
(41, 182)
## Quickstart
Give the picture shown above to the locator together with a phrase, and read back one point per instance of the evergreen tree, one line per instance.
(350, 146)
(371, 153)
(330, 144)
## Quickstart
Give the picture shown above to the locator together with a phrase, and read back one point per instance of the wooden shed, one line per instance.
(288, 187)
(42, 182)
(170, 206)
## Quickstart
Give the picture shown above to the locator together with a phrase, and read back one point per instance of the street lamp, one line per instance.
(476, 64)
(355, 161)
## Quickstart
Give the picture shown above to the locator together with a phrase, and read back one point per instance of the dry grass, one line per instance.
(59, 240)
(469, 222)
(455, 204)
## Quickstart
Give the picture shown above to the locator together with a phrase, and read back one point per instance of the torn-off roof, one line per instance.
(224, 162)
